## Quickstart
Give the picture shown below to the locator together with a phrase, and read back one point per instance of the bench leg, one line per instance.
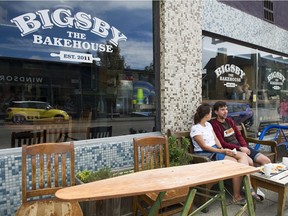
(154, 209)
(223, 198)
(188, 202)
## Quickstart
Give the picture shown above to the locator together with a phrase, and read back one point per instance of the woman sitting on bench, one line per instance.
(206, 143)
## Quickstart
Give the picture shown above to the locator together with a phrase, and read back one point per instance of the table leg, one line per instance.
(154, 209)
(188, 202)
(248, 196)
(281, 201)
(223, 198)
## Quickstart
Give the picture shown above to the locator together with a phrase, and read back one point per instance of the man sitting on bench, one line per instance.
(230, 137)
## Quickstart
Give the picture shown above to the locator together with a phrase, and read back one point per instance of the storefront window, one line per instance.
(251, 81)
(91, 62)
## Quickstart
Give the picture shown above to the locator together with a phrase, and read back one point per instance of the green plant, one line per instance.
(89, 176)
(178, 151)
(103, 173)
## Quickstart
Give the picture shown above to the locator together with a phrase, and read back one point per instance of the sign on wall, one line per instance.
(75, 41)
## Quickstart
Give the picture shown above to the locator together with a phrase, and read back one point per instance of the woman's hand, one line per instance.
(229, 152)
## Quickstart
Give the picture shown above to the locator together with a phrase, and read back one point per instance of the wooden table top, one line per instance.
(280, 178)
(156, 180)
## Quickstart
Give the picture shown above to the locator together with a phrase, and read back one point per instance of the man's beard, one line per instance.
(223, 117)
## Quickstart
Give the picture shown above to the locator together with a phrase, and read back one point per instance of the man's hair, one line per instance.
(219, 104)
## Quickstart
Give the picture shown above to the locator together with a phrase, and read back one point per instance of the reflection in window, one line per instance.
(92, 60)
(244, 77)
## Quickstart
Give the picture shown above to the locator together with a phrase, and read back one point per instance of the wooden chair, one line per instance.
(27, 138)
(49, 167)
(55, 132)
(150, 153)
(271, 154)
(98, 132)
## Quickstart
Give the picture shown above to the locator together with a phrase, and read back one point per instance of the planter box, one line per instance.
(116, 207)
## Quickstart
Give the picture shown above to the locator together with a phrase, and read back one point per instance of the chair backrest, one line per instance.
(48, 167)
(150, 153)
(86, 116)
(179, 135)
(99, 132)
(28, 138)
(55, 132)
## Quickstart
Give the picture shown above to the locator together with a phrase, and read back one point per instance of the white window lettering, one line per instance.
(47, 41)
(77, 44)
(83, 21)
(94, 46)
(2, 78)
(57, 41)
(28, 79)
(232, 68)
(102, 47)
(109, 48)
(117, 36)
(86, 45)
(100, 27)
(67, 20)
(45, 19)
(37, 39)
(67, 43)
(27, 23)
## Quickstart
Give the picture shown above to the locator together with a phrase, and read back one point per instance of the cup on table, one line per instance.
(267, 169)
(285, 161)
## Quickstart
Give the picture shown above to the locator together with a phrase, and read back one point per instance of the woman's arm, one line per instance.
(202, 144)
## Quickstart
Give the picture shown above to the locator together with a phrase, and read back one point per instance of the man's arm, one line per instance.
(220, 135)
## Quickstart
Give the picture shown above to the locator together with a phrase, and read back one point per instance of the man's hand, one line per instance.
(245, 150)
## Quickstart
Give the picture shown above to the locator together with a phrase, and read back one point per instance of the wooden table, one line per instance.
(161, 180)
(277, 183)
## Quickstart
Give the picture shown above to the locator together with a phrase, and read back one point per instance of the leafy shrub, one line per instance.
(87, 176)
(178, 151)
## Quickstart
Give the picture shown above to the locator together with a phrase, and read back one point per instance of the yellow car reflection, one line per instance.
(26, 111)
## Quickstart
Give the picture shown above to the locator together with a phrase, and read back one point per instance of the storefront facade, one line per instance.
(83, 59)
(246, 62)
(94, 56)
(141, 76)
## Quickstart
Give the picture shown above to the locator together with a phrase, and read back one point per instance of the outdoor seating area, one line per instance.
(138, 148)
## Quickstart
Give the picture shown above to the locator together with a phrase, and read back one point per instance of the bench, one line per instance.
(272, 154)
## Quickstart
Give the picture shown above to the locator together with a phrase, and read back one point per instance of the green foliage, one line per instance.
(178, 151)
(103, 173)
(89, 176)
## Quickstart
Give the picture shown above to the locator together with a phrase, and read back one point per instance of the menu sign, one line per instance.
(46, 19)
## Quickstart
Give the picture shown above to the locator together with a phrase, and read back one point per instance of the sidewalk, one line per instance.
(266, 208)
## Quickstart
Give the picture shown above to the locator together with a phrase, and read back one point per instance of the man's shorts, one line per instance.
(253, 154)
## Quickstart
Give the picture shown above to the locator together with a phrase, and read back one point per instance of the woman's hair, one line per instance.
(201, 111)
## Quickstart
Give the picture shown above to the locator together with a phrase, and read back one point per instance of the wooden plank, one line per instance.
(156, 180)
(280, 179)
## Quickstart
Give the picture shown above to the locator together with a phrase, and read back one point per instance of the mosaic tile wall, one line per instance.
(228, 21)
(114, 152)
(180, 62)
